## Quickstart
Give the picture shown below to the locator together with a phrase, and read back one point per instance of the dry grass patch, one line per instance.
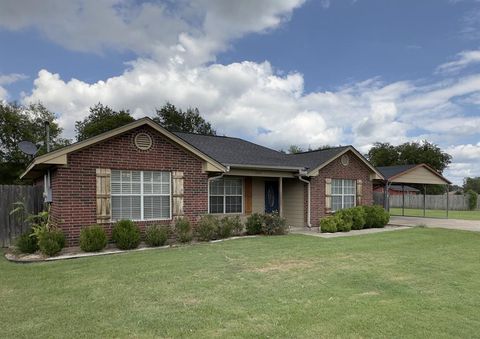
(282, 266)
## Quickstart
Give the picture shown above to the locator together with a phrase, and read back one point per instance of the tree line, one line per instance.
(26, 122)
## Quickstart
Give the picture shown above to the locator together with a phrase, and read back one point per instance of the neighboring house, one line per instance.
(143, 172)
(397, 190)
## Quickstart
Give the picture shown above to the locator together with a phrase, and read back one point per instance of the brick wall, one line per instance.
(74, 186)
(355, 170)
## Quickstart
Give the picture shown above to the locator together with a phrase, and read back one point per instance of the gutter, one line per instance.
(300, 174)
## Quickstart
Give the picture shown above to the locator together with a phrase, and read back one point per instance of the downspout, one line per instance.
(309, 224)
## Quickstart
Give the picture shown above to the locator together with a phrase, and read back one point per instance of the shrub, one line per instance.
(329, 224)
(156, 235)
(126, 234)
(254, 223)
(375, 216)
(93, 238)
(345, 220)
(274, 224)
(472, 199)
(235, 224)
(207, 227)
(51, 241)
(27, 243)
(358, 217)
(183, 230)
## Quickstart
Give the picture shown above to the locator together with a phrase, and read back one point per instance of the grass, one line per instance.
(413, 212)
(412, 283)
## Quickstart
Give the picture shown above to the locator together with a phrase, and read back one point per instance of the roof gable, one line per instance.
(413, 174)
(59, 157)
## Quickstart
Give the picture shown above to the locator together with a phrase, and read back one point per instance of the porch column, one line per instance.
(280, 196)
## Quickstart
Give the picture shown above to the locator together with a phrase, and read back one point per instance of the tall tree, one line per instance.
(471, 184)
(384, 154)
(294, 149)
(101, 119)
(24, 123)
(190, 121)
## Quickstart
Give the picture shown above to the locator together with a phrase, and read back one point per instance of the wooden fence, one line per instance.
(11, 226)
(433, 202)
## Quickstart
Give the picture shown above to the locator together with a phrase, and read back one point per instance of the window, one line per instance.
(140, 195)
(343, 194)
(226, 195)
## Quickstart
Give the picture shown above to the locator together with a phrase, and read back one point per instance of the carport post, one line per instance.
(424, 199)
(447, 189)
(403, 200)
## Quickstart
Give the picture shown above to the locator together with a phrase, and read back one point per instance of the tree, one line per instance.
(24, 123)
(471, 184)
(190, 121)
(293, 149)
(383, 154)
(101, 119)
(409, 153)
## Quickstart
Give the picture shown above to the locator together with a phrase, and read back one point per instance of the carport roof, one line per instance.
(413, 174)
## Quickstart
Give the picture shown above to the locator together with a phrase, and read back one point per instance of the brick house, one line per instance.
(145, 173)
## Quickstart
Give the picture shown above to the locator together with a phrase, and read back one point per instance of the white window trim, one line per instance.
(224, 204)
(343, 195)
(142, 207)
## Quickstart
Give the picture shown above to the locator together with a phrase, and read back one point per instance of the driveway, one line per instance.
(454, 224)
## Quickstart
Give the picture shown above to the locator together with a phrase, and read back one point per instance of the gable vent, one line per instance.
(143, 141)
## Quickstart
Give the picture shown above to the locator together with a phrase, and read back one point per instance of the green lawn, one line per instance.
(412, 212)
(411, 283)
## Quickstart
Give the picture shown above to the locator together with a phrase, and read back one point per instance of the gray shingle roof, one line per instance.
(390, 171)
(236, 151)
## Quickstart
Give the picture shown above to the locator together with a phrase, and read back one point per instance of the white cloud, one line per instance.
(463, 60)
(7, 79)
(176, 45)
(185, 31)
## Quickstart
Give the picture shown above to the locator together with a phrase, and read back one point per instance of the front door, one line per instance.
(271, 196)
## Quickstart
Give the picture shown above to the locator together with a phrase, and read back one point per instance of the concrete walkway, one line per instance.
(314, 231)
(454, 224)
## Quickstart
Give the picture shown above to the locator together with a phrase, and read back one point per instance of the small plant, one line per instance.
(207, 227)
(227, 226)
(274, 224)
(254, 223)
(329, 224)
(375, 216)
(358, 217)
(472, 199)
(183, 230)
(93, 238)
(126, 235)
(156, 235)
(345, 220)
(51, 242)
(27, 243)
(235, 224)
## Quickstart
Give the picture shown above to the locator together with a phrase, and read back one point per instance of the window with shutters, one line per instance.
(343, 194)
(225, 195)
(141, 195)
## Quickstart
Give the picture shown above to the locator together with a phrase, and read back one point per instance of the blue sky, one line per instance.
(274, 72)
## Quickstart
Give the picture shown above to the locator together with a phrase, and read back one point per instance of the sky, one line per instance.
(275, 72)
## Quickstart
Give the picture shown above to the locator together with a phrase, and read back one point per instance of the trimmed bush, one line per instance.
(27, 243)
(126, 235)
(358, 217)
(183, 230)
(254, 223)
(156, 235)
(207, 227)
(274, 224)
(375, 216)
(51, 242)
(93, 238)
(472, 199)
(225, 228)
(329, 224)
(235, 224)
(345, 220)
